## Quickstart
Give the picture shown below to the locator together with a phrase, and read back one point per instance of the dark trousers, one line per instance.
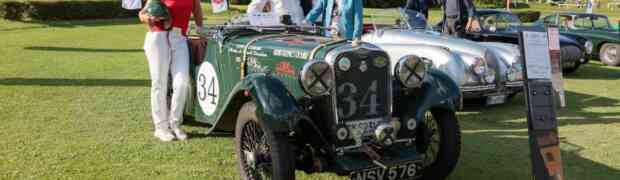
(452, 26)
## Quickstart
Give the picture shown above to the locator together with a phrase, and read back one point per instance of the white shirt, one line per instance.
(132, 4)
(280, 7)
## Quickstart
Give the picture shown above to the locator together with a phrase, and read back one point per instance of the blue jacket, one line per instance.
(351, 19)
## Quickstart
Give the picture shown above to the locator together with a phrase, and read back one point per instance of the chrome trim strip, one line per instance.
(405, 140)
(478, 88)
(514, 83)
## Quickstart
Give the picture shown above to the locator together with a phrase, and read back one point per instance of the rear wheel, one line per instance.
(609, 54)
(262, 154)
(571, 58)
(441, 143)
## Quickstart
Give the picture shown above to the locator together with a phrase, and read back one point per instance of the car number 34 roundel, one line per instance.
(207, 88)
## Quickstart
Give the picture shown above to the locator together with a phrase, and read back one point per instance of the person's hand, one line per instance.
(356, 42)
(472, 25)
(305, 23)
(201, 30)
(148, 20)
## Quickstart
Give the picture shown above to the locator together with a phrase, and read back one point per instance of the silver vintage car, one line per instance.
(482, 69)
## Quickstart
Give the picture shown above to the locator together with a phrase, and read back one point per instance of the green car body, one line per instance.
(594, 27)
(267, 70)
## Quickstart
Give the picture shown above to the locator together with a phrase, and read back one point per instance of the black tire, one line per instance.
(274, 150)
(571, 58)
(609, 54)
(440, 161)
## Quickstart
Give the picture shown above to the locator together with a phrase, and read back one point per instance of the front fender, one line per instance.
(276, 108)
(437, 91)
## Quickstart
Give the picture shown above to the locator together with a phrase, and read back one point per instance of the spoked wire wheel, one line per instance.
(439, 140)
(262, 154)
(255, 152)
(433, 138)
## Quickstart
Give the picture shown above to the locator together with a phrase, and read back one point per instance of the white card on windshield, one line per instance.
(264, 19)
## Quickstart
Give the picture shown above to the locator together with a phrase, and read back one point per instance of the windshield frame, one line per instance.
(510, 20)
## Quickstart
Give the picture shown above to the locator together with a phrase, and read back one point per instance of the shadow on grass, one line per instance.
(504, 154)
(73, 24)
(595, 70)
(73, 82)
(498, 135)
(74, 49)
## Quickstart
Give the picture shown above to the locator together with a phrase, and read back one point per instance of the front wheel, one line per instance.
(609, 54)
(262, 154)
(571, 58)
(441, 143)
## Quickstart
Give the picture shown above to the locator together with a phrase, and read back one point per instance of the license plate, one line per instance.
(366, 127)
(403, 171)
(497, 99)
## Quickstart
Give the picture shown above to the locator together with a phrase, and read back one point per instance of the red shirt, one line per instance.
(180, 11)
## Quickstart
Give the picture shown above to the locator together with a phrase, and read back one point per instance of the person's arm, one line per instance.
(472, 22)
(358, 19)
(410, 4)
(197, 12)
(316, 11)
(148, 20)
(470, 7)
(256, 6)
(423, 8)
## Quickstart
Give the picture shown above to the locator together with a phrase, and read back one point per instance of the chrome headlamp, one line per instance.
(316, 78)
(410, 71)
(589, 46)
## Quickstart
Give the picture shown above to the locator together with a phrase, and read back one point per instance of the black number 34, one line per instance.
(206, 90)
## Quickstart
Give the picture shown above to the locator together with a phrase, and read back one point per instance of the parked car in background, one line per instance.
(296, 100)
(504, 26)
(491, 71)
(594, 27)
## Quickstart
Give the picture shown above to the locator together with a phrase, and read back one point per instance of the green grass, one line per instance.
(74, 104)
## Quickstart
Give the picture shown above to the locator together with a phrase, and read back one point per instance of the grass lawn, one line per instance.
(74, 104)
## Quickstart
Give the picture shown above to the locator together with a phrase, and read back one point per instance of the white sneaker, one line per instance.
(164, 135)
(179, 133)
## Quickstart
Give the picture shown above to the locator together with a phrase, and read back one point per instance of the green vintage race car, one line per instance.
(595, 27)
(295, 100)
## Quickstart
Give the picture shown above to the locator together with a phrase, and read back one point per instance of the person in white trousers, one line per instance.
(167, 53)
(279, 7)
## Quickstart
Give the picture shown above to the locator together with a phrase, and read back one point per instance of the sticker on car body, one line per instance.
(207, 88)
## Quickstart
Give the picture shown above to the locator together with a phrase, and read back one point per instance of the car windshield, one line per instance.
(581, 22)
(600, 22)
(499, 22)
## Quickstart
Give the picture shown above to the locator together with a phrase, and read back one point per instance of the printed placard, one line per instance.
(536, 49)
